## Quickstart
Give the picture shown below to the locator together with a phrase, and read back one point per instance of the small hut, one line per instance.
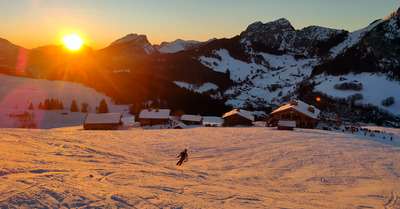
(192, 119)
(104, 121)
(286, 125)
(305, 116)
(238, 117)
(149, 117)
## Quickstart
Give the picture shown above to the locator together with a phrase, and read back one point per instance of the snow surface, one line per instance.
(180, 45)
(212, 120)
(155, 113)
(248, 167)
(196, 118)
(199, 89)
(16, 93)
(176, 46)
(376, 88)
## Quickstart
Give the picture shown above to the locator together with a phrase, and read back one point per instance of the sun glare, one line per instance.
(72, 41)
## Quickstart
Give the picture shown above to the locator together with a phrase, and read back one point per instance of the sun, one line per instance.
(72, 41)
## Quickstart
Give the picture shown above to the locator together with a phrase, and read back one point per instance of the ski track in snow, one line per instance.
(243, 167)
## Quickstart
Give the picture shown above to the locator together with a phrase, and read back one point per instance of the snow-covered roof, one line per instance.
(195, 118)
(181, 125)
(154, 113)
(92, 118)
(130, 119)
(287, 123)
(300, 107)
(243, 113)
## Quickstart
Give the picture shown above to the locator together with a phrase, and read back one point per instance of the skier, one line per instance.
(183, 156)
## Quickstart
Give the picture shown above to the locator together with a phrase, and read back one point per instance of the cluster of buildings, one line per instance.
(289, 116)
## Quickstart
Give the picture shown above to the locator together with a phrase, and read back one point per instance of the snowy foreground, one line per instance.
(255, 167)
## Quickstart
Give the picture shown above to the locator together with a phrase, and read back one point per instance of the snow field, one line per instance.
(375, 89)
(242, 167)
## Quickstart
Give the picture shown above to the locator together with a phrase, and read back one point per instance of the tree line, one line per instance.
(55, 104)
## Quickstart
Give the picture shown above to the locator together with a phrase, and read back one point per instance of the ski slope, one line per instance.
(238, 167)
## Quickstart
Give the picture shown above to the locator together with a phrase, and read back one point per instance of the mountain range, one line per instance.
(263, 67)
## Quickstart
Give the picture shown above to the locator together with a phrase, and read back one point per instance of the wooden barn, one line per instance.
(192, 119)
(238, 117)
(105, 121)
(149, 117)
(305, 116)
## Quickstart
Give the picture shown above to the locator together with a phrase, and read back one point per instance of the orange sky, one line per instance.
(34, 23)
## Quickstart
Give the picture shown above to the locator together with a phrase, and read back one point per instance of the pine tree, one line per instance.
(52, 104)
(57, 105)
(84, 107)
(30, 106)
(61, 107)
(103, 108)
(74, 106)
(46, 105)
(40, 106)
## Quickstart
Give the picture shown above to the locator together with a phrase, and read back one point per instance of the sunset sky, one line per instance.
(33, 23)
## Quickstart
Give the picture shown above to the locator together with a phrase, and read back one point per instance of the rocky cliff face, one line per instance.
(279, 37)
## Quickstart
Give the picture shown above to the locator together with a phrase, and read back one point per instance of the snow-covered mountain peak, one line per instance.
(274, 26)
(282, 21)
(254, 26)
(129, 38)
(319, 33)
(179, 45)
(136, 40)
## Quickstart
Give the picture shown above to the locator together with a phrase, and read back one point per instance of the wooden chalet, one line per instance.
(238, 117)
(104, 121)
(305, 116)
(149, 117)
(192, 119)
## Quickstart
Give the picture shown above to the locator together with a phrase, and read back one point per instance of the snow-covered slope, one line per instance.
(352, 39)
(227, 168)
(16, 94)
(200, 89)
(258, 84)
(375, 88)
(179, 45)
